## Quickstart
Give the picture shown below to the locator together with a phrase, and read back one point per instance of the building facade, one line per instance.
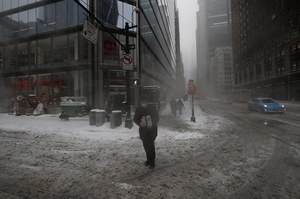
(266, 47)
(223, 72)
(213, 31)
(43, 51)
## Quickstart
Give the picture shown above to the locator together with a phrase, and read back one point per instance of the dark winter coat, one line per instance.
(143, 112)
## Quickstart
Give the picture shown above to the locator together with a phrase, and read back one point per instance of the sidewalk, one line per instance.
(50, 124)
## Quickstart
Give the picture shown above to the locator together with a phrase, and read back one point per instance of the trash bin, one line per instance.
(115, 119)
(73, 106)
(100, 117)
(92, 117)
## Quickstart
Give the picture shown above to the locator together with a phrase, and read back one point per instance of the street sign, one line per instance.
(192, 89)
(90, 31)
(127, 61)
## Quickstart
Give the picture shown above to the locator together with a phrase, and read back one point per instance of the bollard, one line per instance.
(92, 117)
(115, 119)
(100, 117)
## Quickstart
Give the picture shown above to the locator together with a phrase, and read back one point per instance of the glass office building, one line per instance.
(43, 52)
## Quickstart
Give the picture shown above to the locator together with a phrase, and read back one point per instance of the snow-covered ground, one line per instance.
(45, 157)
(57, 158)
(79, 126)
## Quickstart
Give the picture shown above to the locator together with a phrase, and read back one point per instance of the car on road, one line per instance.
(267, 105)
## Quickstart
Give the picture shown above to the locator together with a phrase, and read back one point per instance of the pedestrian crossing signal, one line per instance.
(135, 82)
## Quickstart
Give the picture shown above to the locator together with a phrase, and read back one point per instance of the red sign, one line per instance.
(192, 89)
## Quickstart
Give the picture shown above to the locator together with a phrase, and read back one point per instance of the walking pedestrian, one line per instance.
(173, 106)
(180, 105)
(147, 118)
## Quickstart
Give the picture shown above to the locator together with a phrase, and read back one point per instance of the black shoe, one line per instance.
(152, 166)
(147, 163)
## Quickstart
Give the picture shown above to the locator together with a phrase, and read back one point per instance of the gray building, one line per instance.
(213, 31)
(266, 48)
(43, 52)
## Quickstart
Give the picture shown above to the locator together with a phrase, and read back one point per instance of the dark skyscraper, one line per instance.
(266, 47)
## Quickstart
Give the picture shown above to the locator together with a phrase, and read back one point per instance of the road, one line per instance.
(276, 137)
(253, 155)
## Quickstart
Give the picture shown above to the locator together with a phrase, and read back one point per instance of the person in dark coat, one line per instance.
(180, 105)
(173, 106)
(147, 118)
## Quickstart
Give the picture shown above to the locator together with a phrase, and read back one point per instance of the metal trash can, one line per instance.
(92, 117)
(100, 117)
(115, 119)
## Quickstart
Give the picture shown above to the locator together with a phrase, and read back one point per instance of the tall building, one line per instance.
(223, 72)
(213, 31)
(181, 83)
(266, 47)
(43, 51)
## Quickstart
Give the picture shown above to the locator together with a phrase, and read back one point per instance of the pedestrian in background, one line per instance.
(180, 105)
(147, 118)
(173, 106)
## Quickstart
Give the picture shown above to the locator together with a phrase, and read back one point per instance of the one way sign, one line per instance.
(90, 31)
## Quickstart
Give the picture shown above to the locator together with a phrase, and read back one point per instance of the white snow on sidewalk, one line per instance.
(79, 126)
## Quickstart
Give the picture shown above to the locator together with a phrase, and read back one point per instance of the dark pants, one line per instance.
(148, 135)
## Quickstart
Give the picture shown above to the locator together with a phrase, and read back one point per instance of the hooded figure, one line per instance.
(147, 118)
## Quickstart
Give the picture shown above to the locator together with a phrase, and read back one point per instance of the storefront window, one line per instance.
(44, 88)
(61, 14)
(1, 58)
(59, 86)
(73, 47)
(83, 48)
(22, 53)
(44, 51)
(32, 53)
(60, 49)
(9, 57)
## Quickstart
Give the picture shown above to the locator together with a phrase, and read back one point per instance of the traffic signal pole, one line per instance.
(128, 47)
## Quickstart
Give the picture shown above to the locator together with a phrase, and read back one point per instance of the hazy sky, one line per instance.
(187, 22)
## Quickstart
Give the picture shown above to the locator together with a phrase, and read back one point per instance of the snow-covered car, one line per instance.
(267, 105)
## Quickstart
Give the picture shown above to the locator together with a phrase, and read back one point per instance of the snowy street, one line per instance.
(228, 153)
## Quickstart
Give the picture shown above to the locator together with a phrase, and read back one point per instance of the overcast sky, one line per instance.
(187, 22)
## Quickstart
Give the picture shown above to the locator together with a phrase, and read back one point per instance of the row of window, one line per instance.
(280, 65)
(65, 48)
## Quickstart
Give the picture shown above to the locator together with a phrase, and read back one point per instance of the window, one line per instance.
(72, 13)
(60, 49)
(73, 47)
(61, 14)
(9, 57)
(32, 53)
(22, 53)
(44, 51)
(1, 59)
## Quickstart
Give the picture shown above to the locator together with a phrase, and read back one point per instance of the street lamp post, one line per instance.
(192, 89)
(193, 119)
